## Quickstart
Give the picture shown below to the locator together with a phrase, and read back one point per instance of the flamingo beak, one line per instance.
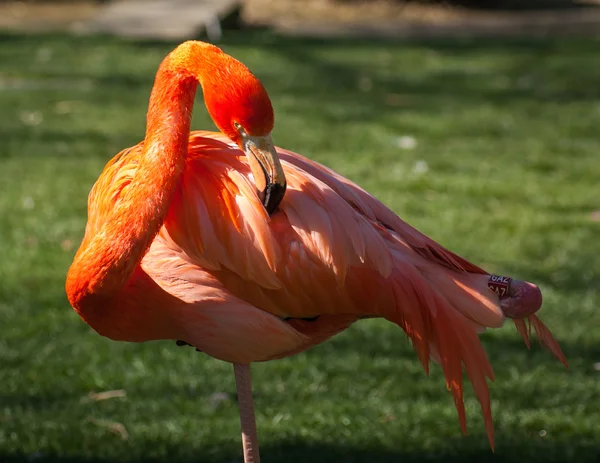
(266, 168)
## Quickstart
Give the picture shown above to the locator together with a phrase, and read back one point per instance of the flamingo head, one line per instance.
(241, 108)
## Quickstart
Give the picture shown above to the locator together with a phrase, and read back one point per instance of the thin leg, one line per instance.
(243, 383)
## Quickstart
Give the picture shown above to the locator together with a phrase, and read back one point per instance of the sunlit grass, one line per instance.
(492, 148)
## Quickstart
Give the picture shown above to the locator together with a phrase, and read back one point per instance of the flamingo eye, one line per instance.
(239, 129)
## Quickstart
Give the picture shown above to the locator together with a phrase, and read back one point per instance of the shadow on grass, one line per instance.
(530, 71)
(532, 450)
(98, 143)
(335, 80)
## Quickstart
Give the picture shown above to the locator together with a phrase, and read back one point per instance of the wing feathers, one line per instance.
(332, 250)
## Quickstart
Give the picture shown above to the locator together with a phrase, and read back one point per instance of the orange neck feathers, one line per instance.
(106, 260)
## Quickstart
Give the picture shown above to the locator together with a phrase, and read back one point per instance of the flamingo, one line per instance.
(249, 252)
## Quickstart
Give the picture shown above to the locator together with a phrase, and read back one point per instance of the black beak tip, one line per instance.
(274, 193)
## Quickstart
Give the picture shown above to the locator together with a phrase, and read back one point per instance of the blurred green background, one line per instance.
(489, 146)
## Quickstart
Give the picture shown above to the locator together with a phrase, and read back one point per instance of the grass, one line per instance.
(500, 163)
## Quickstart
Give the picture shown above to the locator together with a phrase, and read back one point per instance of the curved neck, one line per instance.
(107, 259)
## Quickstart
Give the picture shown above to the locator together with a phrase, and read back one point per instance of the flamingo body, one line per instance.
(179, 246)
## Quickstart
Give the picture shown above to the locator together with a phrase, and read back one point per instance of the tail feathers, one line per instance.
(458, 345)
(415, 323)
(439, 330)
(442, 311)
(478, 368)
(544, 336)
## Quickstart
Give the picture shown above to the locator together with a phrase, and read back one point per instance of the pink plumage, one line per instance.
(180, 246)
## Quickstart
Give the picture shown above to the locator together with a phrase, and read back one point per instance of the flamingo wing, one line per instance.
(332, 254)
(330, 249)
(244, 286)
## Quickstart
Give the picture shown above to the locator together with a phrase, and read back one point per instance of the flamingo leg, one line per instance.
(243, 383)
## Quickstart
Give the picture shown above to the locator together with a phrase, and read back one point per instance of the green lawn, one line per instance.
(503, 167)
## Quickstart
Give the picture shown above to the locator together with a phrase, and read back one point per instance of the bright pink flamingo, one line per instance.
(250, 252)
